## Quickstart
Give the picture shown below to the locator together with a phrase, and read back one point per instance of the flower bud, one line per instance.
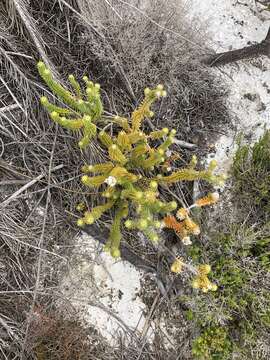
(80, 222)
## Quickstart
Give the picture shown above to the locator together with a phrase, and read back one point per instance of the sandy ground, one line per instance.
(232, 25)
(106, 292)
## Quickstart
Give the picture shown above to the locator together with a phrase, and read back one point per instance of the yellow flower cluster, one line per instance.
(201, 281)
(185, 227)
(177, 266)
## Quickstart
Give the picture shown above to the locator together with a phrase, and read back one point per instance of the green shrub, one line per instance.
(135, 168)
(251, 178)
(238, 250)
(212, 344)
(135, 165)
(241, 303)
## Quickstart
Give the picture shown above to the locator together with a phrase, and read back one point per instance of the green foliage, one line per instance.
(251, 176)
(261, 250)
(194, 252)
(241, 303)
(239, 253)
(83, 108)
(212, 344)
(134, 170)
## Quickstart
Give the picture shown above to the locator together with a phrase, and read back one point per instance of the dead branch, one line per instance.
(26, 186)
(247, 52)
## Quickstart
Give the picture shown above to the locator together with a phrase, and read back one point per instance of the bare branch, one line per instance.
(247, 52)
(26, 186)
